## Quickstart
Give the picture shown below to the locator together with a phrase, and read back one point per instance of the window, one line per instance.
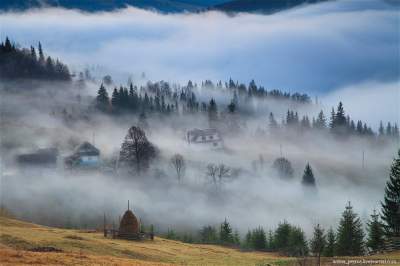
(215, 144)
(211, 137)
(203, 137)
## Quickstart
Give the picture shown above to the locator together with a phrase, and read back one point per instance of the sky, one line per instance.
(315, 49)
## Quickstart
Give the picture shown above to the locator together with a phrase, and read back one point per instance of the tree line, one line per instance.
(160, 97)
(348, 239)
(24, 63)
(339, 124)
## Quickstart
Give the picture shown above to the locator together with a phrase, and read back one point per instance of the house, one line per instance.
(207, 138)
(46, 158)
(85, 155)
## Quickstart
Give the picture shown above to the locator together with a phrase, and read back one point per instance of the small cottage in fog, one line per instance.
(85, 155)
(207, 138)
(40, 158)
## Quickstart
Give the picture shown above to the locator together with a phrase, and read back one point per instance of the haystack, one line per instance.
(129, 226)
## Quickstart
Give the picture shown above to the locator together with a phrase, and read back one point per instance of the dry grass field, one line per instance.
(18, 239)
(22, 243)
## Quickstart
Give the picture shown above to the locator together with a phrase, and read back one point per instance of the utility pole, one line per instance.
(363, 159)
(280, 149)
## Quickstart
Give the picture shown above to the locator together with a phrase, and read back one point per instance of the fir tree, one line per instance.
(41, 54)
(329, 250)
(102, 99)
(273, 125)
(259, 239)
(308, 176)
(391, 202)
(320, 123)
(381, 130)
(375, 239)
(212, 112)
(225, 233)
(318, 242)
(350, 236)
(115, 99)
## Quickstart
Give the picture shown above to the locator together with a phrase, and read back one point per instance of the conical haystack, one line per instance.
(129, 226)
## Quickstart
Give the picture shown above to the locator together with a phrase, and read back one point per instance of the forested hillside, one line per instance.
(23, 63)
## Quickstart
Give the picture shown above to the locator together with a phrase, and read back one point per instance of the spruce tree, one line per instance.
(259, 239)
(318, 242)
(329, 250)
(350, 236)
(212, 113)
(225, 233)
(375, 230)
(320, 123)
(115, 99)
(391, 202)
(102, 99)
(381, 130)
(308, 176)
(41, 54)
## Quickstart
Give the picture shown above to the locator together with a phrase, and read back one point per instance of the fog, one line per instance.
(337, 51)
(252, 197)
(313, 48)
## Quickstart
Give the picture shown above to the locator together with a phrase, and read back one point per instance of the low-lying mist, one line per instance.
(254, 195)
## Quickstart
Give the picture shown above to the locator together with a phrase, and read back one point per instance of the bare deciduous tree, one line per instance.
(217, 173)
(136, 151)
(223, 172)
(178, 163)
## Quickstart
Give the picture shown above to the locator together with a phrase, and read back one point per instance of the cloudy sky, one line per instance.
(316, 48)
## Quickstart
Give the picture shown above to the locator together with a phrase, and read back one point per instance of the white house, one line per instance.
(205, 138)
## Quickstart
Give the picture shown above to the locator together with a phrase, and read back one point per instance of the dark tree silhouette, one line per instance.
(350, 236)
(308, 176)
(391, 202)
(136, 151)
(283, 167)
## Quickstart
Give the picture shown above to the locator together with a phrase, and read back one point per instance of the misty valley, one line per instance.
(107, 152)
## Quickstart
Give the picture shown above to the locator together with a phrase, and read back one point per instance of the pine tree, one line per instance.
(320, 123)
(318, 242)
(259, 239)
(212, 112)
(281, 236)
(41, 54)
(391, 203)
(225, 233)
(375, 239)
(102, 99)
(333, 119)
(329, 250)
(115, 99)
(297, 245)
(33, 54)
(249, 240)
(273, 125)
(389, 130)
(308, 176)
(350, 234)
(381, 130)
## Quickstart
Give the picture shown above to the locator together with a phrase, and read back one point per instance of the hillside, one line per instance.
(262, 6)
(21, 241)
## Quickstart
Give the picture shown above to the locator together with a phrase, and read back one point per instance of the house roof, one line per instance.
(41, 156)
(87, 148)
(195, 133)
